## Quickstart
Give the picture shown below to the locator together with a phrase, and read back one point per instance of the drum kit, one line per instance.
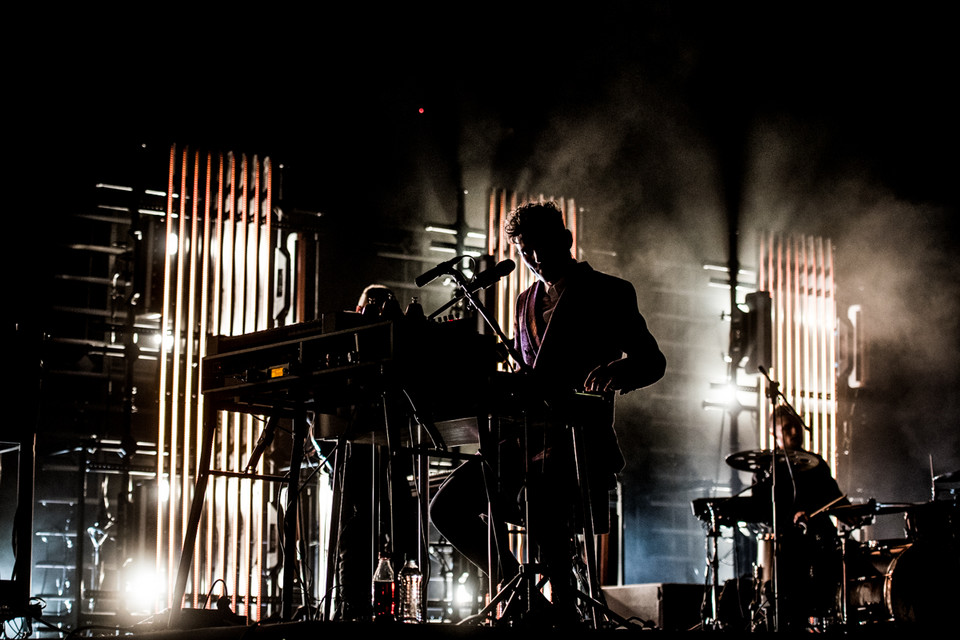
(906, 582)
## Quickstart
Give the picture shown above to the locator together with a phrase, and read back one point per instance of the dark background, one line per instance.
(672, 122)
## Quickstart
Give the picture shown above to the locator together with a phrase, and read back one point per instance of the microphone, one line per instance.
(490, 276)
(482, 280)
(434, 273)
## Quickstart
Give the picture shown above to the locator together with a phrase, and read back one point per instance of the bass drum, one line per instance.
(902, 582)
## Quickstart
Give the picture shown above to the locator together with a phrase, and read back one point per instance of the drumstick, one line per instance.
(827, 506)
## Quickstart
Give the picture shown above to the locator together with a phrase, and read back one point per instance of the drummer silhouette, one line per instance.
(808, 556)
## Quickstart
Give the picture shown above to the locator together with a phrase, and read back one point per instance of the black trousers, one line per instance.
(538, 491)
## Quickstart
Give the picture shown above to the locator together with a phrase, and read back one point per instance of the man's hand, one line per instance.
(606, 377)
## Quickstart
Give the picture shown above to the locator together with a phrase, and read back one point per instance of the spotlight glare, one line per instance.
(142, 590)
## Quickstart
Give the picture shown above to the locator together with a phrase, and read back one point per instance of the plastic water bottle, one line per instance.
(383, 595)
(410, 593)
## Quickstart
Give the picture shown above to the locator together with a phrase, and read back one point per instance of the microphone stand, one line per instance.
(467, 294)
(524, 579)
(775, 395)
(773, 392)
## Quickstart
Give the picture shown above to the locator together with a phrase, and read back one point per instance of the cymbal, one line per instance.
(760, 459)
(871, 508)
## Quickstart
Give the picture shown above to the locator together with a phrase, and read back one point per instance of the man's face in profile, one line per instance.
(547, 255)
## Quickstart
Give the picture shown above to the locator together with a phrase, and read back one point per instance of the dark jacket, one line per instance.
(595, 321)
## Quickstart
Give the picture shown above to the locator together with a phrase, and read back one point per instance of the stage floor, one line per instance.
(310, 630)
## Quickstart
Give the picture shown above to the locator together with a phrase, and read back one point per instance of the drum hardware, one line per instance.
(910, 581)
(903, 581)
(946, 486)
(760, 460)
(943, 478)
(867, 509)
(883, 582)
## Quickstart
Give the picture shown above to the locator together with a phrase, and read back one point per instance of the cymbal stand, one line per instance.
(710, 619)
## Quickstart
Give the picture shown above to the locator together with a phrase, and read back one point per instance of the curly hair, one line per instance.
(539, 218)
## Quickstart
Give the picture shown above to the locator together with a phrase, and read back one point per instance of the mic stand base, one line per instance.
(518, 589)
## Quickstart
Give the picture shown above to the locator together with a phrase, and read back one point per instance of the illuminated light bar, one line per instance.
(113, 187)
(217, 281)
(798, 272)
(445, 230)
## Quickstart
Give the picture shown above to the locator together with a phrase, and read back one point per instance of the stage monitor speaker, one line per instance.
(669, 606)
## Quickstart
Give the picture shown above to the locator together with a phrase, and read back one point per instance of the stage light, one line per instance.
(463, 595)
(142, 589)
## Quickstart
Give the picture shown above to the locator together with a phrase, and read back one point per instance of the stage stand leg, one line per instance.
(333, 544)
(290, 515)
(594, 597)
(196, 511)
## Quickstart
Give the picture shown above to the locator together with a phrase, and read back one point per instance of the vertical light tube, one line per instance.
(268, 295)
(493, 232)
(189, 246)
(175, 387)
(223, 266)
(228, 313)
(800, 311)
(804, 387)
(255, 297)
(573, 224)
(165, 553)
(206, 578)
(820, 354)
(781, 309)
(832, 350)
(788, 373)
(232, 444)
